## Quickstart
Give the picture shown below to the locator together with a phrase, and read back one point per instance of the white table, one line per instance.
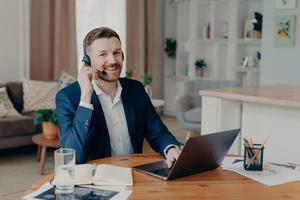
(157, 102)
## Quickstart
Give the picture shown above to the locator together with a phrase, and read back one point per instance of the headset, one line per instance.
(87, 61)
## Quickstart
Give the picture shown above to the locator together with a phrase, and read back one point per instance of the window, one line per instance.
(91, 14)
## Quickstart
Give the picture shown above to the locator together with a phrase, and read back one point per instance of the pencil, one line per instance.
(256, 154)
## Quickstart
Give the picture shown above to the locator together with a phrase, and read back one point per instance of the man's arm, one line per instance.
(158, 135)
(73, 125)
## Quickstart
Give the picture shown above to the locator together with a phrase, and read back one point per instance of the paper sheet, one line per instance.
(272, 174)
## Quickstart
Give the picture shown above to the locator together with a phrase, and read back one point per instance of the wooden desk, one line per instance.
(215, 184)
(43, 143)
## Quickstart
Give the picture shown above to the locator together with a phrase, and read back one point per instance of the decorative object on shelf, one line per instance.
(200, 64)
(48, 119)
(258, 57)
(170, 47)
(285, 4)
(284, 31)
(257, 25)
(146, 80)
(187, 46)
(206, 31)
(225, 30)
(248, 29)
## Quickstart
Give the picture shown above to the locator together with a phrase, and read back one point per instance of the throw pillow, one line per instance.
(3, 111)
(9, 109)
(65, 79)
(39, 95)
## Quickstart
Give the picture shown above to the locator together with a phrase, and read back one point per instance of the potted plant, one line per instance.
(258, 57)
(170, 47)
(129, 73)
(146, 80)
(200, 64)
(48, 119)
(257, 24)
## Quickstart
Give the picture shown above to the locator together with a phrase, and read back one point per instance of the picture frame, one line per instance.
(285, 4)
(284, 35)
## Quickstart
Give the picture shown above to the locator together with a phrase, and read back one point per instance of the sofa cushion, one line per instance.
(65, 79)
(193, 115)
(39, 95)
(5, 101)
(3, 111)
(15, 93)
(16, 126)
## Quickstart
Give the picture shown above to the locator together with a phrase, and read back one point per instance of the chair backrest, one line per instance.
(192, 87)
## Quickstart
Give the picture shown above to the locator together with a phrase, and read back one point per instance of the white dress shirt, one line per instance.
(115, 120)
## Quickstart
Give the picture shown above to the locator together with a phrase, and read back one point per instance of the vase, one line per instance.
(199, 72)
(148, 91)
(50, 130)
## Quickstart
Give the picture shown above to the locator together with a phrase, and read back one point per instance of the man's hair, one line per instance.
(97, 33)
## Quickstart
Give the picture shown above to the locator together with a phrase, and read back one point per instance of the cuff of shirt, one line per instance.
(86, 105)
(168, 148)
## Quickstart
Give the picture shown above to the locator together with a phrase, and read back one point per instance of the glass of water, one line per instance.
(64, 170)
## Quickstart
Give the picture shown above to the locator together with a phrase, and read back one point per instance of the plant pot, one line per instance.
(50, 130)
(199, 72)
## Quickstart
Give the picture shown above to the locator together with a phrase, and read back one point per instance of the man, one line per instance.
(102, 114)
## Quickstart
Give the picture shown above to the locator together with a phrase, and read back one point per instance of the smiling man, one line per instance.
(104, 115)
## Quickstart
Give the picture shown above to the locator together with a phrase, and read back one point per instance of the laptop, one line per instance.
(200, 153)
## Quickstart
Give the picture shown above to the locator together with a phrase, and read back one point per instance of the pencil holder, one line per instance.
(253, 158)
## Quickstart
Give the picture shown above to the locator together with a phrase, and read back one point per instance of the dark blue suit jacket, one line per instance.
(86, 131)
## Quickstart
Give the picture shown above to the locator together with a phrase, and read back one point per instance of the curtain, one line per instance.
(144, 40)
(52, 39)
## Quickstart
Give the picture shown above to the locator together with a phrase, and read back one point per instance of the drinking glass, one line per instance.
(64, 170)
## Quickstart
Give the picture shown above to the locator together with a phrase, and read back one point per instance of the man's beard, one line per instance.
(105, 77)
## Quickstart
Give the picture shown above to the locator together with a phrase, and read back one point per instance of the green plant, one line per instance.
(200, 63)
(45, 115)
(129, 73)
(257, 21)
(170, 47)
(258, 55)
(146, 79)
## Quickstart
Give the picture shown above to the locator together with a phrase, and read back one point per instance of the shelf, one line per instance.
(212, 41)
(183, 53)
(249, 41)
(248, 69)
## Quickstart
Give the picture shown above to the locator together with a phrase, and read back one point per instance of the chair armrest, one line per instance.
(183, 103)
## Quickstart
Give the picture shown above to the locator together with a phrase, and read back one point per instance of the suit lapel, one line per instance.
(129, 113)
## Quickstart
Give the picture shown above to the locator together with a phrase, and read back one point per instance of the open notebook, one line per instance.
(102, 175)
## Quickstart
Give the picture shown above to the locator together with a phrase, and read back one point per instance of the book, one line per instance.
(102, 174)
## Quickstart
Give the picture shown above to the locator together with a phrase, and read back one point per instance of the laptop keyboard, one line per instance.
(161, 172)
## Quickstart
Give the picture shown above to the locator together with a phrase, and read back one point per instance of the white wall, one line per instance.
(279, 64)
(14, 40)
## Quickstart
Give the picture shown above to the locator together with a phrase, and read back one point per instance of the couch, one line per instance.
(16, 131)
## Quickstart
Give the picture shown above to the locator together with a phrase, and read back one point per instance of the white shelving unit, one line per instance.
(223, 51)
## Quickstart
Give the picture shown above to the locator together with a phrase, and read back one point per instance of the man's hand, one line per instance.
(172, 156)
(85, 77)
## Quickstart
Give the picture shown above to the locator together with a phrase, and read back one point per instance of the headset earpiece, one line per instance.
(122, 55)
(86, 59)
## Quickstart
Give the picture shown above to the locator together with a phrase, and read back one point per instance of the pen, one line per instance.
(256, 154)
